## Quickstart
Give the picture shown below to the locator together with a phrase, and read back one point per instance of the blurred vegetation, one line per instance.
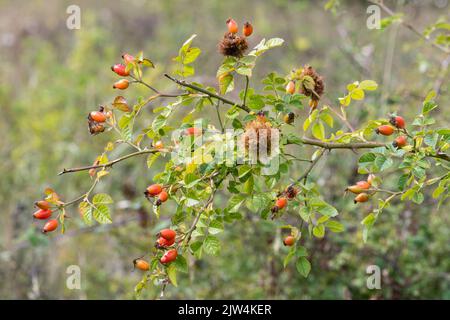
(52, 77)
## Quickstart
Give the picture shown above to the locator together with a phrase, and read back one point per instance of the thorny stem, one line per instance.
(336, 145)
(158, 93)
(82, 197)
(218, 116)
(111, 163)
(247, 80)
(308, 170)
(211, 94)
(199, 214)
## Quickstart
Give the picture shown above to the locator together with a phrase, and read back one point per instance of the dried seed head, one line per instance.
(258, 133)
(233, 45)
(314, 88)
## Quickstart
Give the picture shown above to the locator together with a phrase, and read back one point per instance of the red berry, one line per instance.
(141, 264)
(42, 214)
(400, 142)
(169, 256)
(354, 189)
(289, 241)
(50, 226)
(158, 145)
(163, 243)
(42, 204)
(362, 197)
(385, 130)
(120, 69)
(290, 87)
(128, 58)
(122, 84)
(248, 29)
(168, 234)
(232, 26)
(97, 116)
(192, 131)
(398, 121)
(153, 190)
(363, 184)
(370, 178)
(281, 203)
(163, 196)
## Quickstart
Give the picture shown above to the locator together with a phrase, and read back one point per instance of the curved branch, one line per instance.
(110, 163)
(337, 145)
(209, 93)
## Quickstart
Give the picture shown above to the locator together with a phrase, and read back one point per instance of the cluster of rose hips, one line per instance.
(157, 190)
(97, 119)
(282, 200)
(44, 213)
(166, 238)
(232, 25)
(387, 130)
(360, 189)
(121, 70)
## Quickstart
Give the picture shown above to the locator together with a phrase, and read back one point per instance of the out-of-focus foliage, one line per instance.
(52, 77)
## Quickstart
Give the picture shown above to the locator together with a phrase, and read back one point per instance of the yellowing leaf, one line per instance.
(357, 94)
(368, 85)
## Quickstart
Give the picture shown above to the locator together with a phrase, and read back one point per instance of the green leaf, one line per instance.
(383, 163)
(152, 158)
(288, 257)
(147, 63)
(328, 119)
(306, 124)
(301, 252)
(226, 83)
(181, 264)
(323, 208)
(102, 198)
(335, 226)
(255, 102)
(438, 191)
(303, 266)
(215, 227)
(172, 274)
(318, 130)
(402, 181)
(428, 106)
(319, 231)
(86, 212)
(274, 42)
(191, 55)
(357, 94)
(245, 71)
(101, 214)
(211, 245)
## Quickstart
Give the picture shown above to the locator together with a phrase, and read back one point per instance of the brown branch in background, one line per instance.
(409, 26)
(308, 170)
(442, 75)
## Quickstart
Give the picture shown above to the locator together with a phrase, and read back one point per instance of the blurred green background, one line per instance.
(51, 77)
